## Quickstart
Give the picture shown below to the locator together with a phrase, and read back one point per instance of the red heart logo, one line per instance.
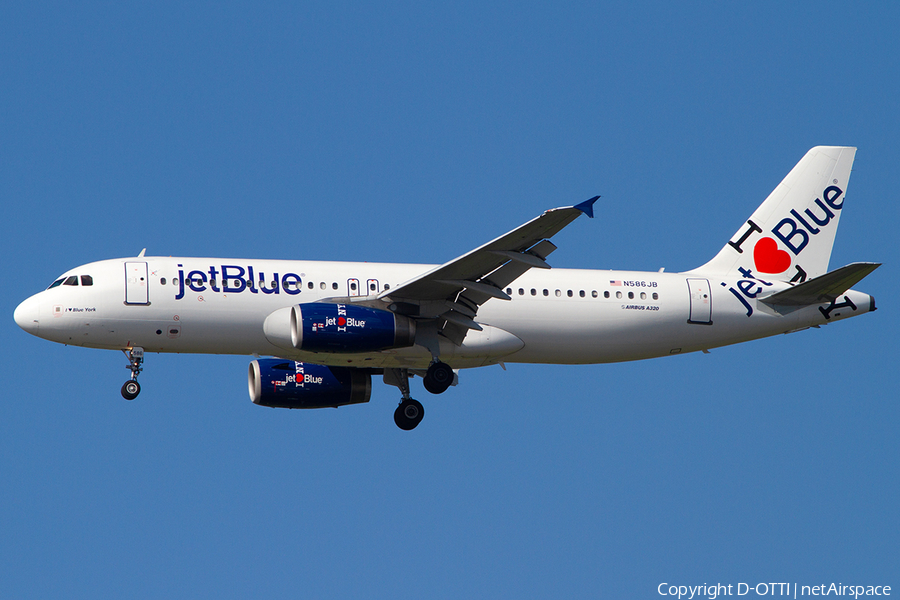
(768, 258)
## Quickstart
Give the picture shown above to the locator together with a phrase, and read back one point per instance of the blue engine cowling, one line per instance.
(325, 327)
(279, 383)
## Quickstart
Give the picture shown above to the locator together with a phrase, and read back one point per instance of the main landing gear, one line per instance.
(410, 412)
(438, 377)
(131, 388)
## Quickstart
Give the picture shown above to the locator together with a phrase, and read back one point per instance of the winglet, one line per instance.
(587, 207)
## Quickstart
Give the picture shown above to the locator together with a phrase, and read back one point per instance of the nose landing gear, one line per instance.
(131, 388)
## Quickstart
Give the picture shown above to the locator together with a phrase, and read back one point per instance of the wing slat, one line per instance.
(477, 276)
(444, 281)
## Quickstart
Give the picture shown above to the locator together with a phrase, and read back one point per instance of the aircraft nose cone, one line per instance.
(27, 315)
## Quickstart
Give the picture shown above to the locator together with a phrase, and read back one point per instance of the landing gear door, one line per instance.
(136, 288)
(701, 302)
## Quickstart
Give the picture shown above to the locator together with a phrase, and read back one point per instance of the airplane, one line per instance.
(320, 332)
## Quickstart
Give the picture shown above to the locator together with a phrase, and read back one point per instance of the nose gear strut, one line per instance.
(131, 388)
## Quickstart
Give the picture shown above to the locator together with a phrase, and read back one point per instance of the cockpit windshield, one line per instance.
(72, 280)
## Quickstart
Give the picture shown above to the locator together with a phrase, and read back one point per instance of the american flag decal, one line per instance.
(615, 282)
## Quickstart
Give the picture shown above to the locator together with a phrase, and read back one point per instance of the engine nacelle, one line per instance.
(323, 327)
(278, 383)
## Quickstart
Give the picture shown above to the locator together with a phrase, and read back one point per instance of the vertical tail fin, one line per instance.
(791, 234)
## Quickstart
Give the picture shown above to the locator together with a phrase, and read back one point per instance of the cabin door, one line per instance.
(136, 288)
(701, 302)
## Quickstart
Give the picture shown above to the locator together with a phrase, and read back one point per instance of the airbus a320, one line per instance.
(321, 331)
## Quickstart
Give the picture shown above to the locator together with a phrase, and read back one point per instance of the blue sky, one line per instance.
(414, 132)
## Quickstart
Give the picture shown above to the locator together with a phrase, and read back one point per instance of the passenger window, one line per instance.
(88, 280)
(569, 293)
(353, 287)
(594, 294)
(162, 281)
(521, 292)
(581, 293)
(55, 283)
(606, 294)
(322, 286)
(619, 295)
(558, 294)
(546, 292)
(643, 295)
(310, 285)
(509, 291)
(533, 292)
(73, 280)
(631, 295)
(655, 296)
(387, 286)
(334, 286)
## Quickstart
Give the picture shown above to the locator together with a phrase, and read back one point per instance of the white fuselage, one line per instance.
(563, 316)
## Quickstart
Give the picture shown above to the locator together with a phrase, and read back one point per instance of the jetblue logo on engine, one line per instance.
(794, 232)
(340, 322)
(301, 378)
(343, 323)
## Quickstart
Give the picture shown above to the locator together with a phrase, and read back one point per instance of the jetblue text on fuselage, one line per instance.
(750, 287)
(236, 279)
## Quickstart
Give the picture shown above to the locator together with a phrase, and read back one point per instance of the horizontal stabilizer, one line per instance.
(825, 288)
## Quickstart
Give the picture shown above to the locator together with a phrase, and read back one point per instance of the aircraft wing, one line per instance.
(824, 288)
(454, 291)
